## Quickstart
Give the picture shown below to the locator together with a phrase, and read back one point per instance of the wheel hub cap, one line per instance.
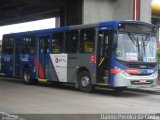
(85, 81)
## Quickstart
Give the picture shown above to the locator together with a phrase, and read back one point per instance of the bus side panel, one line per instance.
(58, 67)
(63, 67)
(52, 75)
(27, 60)
(32, 67)
(8, 64)
(47, 65)
(78, 61)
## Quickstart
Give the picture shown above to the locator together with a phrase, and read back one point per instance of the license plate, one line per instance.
(142, 81)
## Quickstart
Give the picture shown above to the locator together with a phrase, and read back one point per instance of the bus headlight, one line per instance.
(124, 73)
(154, 74)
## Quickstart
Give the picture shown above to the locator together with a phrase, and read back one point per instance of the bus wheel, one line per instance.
(84, 80)
(27, 77)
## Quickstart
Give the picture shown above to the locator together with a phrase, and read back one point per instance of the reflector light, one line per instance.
(93, 58)
(133, 71)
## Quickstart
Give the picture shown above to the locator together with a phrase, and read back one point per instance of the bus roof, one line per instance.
(113, 23)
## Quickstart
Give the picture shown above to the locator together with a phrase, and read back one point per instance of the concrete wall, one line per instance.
(97, 10)
(123, 9)
(145, 10)
(103, 10)
(93, 11)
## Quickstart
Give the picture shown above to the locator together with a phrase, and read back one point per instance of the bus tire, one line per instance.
(84, 81)
(27, 77)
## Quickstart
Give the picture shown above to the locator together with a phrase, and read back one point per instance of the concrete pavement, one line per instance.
(63, 102)
(152, 90)
(46, 98)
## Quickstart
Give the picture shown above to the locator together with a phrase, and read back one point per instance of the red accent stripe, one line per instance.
(114, 71)
(40, 70)
(130, 71)
(35, 61)
(133, 71)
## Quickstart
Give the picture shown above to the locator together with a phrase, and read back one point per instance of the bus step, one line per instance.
(105, 78)
(42, 80)
(102, 84)
(106, 73)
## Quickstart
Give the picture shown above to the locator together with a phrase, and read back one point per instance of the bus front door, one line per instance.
(103, 54)
(43, 56)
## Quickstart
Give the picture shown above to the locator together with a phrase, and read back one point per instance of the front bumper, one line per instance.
(135, 81)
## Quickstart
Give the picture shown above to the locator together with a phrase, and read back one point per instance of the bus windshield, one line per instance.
(136, 47)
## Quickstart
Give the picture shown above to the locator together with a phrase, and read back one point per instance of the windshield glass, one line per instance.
(136, 48)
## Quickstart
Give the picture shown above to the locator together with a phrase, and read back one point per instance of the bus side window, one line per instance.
(5, 41)
(28, 44)
(71, 43)
(57, 42)
(8, 46)
(87, 41)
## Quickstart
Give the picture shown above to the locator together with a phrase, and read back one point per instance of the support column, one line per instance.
(63, 16)
(123, 9)
(105, 10)
(145, 10)
(57, 22)
(71, 13)
(93, 11)
(74, 12)
(97, 10)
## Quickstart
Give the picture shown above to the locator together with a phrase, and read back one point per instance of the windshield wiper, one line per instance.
(145, 42)
(134, 40)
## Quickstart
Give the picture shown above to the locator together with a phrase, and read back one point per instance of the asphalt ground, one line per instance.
(47, 101)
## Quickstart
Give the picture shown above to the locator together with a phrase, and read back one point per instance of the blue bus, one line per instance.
(115, 54)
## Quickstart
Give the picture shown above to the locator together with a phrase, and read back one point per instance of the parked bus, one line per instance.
(118, 54)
